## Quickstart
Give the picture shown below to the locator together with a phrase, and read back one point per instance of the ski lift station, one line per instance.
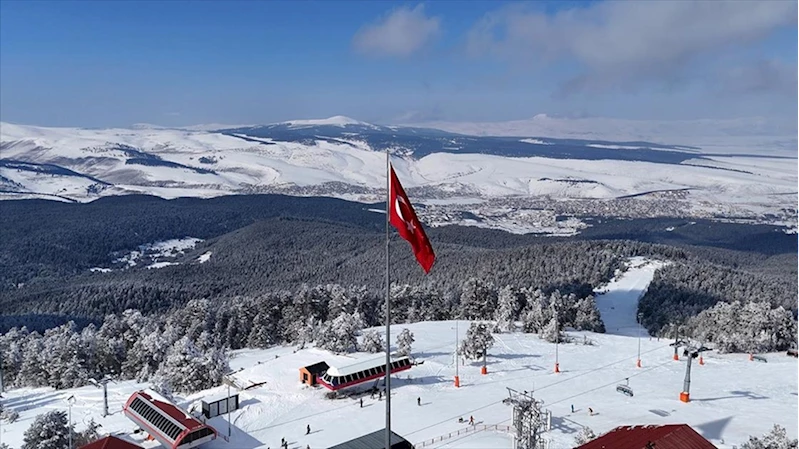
(338, 378)
(165, 422)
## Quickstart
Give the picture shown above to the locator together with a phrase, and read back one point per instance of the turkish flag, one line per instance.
(402, 217)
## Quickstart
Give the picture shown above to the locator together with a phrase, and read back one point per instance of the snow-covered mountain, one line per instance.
(345, 158)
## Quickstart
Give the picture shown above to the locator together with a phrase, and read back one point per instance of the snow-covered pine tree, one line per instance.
(404, 342)
(776, 439)
(264, 331)
(306, 333)
(186, 369)
(477, 342)
(507, 309)
(340, 300)
(587, 316)
(340, 335)
(551, 332)
(478, 300)
(533, 316)
(48, 431)
(372, 342)
(585, 435)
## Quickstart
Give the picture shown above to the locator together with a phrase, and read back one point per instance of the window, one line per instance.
(196, 435)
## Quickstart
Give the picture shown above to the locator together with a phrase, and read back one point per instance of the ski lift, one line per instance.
(625, 388)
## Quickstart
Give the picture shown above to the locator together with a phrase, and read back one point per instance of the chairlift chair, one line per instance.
(625, 388)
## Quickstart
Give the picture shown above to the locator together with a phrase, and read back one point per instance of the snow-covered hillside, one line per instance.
(731, 396)
(84, 164)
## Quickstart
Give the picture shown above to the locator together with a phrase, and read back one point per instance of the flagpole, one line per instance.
(388, 306)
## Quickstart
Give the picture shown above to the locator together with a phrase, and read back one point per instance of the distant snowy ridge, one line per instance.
(338, 120)
(730, 135)
(78, 164)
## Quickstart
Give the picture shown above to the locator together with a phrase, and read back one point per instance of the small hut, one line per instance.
(374, 440)
(308, 374)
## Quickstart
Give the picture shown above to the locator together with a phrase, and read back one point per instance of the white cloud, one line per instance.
(401, 33)
(762, 77)
(620, 42)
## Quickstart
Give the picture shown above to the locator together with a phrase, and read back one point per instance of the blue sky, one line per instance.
(115, 63)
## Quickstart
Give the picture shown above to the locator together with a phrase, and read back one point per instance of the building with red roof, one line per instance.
(166, 422)
(110, 442)
(670, 436)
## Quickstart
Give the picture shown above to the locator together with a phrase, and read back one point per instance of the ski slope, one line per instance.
(732, 397)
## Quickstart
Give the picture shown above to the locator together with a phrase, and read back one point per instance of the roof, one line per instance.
(173, 411)
(110, 442)
(318, 367)
(218, 397)
(362, 365)
(670, 436)
(374, 440)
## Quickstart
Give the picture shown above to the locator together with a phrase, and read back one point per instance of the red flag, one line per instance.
(402, 217)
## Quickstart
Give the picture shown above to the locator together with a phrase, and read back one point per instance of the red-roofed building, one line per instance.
(165, 422)
(110, 442)
(670, 436)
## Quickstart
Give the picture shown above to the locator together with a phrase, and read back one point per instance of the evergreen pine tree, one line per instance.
(404, 342)
(48, 431)
(372, 342)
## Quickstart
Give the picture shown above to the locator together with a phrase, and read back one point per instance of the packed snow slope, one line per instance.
(344, 158)
(732, 397)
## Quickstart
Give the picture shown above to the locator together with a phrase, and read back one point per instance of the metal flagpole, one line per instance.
(388, 306)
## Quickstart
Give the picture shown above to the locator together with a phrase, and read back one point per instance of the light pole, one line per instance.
(228, 381)
(557, 341)
(638, 363)
(70, 401)
(2, 388)
(457, 377)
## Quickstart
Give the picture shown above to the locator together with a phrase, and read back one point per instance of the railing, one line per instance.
(470, 429)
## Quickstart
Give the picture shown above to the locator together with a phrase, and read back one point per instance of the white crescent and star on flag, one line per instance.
(408, 224)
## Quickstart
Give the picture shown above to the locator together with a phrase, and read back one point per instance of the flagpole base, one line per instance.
(638, 363)
(457, 382)
(484, 370)
(676, 357)
(557, 367)
(685, 397)
(701, 360)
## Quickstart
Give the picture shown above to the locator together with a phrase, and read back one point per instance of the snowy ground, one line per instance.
(731, 396)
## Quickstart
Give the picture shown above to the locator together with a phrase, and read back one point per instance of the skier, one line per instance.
(380, 395)
(419, 401)
(590, 411)
(471, 420)
(361, 402)
(308, 429)
(572, 408)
